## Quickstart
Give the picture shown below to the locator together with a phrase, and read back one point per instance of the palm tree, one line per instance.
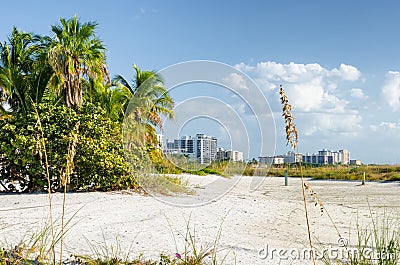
(112, 98)
(24, 72)
(75, 53)
(149, 101)
(42, 72)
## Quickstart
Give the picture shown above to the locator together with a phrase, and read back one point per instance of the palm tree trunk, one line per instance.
(77, 92)
(72, 91)
(67, 96)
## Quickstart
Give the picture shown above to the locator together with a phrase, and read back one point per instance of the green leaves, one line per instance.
(24, 72)
(99, 160)
(75, 52)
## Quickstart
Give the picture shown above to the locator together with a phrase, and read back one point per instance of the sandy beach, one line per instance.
(252, 221)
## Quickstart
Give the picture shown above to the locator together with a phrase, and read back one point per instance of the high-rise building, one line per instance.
(229, 155)
(182, 146)
(170, 144)
(202, 148)
(206, 148)
(322, 157)
(327, 157)
(236, 156)
(292, 157)
(344, 157)
(187, 143)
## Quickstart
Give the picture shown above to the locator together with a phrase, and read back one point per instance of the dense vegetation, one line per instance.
(54, 89)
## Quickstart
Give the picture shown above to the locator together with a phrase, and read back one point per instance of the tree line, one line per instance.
(57, 87)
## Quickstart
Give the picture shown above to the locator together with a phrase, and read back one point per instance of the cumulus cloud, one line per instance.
(236, 81)
(346, 72)
(357, 93)
(348, 123)
(391, 90)
(312, 89)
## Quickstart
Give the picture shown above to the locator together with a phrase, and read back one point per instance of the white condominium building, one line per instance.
(206, 148)
(229, 155)
(202, 148)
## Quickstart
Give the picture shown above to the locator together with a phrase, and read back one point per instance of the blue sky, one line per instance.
(338, 60)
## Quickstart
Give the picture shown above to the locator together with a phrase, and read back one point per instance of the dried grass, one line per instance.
(292, 138)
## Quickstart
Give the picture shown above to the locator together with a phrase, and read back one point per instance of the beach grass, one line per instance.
(342, 172)
(35, 250)
(377, 242)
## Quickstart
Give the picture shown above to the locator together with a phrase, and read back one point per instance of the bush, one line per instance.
(99, 160)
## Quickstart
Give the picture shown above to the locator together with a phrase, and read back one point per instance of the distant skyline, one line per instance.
(338, 61)
(223, 142)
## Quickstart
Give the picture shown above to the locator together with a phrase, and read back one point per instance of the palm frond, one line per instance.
(75, 54)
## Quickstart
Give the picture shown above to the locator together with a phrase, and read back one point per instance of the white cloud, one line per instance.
(389, 125)
(346, 72)
(386, 129)
(292, 72)
(306, 96)
(391, 90)
(245, 67)
(357, 93)
(373, 128)
(311, 88)
(236, 81)
(327, 123)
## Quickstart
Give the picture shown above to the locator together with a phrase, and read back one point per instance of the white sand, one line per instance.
(271, 216)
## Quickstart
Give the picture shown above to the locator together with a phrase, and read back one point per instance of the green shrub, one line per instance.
(99, 161)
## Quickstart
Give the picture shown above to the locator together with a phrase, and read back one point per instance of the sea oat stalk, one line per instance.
(292, 135)
(292, 138)
(65, 179)
(41, 145)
